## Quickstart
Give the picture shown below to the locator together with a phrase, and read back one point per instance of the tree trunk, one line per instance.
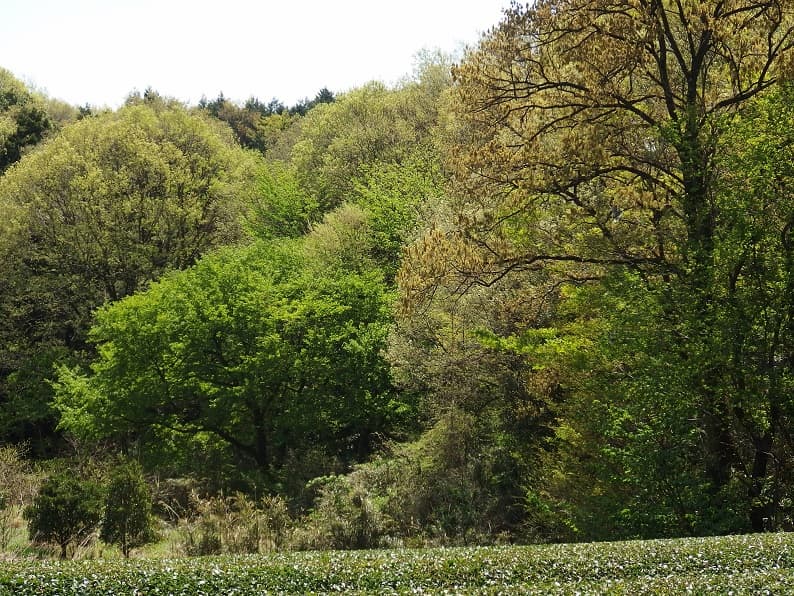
(761, 509)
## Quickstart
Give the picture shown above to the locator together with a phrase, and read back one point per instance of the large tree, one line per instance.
(93, 215)
(370, 125)
(248, 347)
(587, 145)
(601, 120)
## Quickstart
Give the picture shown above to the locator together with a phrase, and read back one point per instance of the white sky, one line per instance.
(98, 51)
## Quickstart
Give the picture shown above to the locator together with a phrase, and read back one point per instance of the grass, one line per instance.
(754, 564)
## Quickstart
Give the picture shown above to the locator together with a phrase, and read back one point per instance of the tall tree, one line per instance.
(93, 215)
(587, 142)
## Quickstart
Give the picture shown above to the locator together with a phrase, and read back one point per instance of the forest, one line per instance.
(540, 292)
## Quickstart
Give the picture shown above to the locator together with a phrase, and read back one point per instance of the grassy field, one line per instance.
(757, 564)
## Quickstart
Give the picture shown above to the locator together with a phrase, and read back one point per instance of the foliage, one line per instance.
(94, 214)
(591, 146)
(684, 395)
(281, 208)
(255, 122)
(368, 125)
(343, 517)
(24, 120)
(161, 183)
(343, 241)
(245, 348)
(461, 482)
(127, 519)
(18, 487)
(591, 234)
(25, 406)
(66, 509)
(737, 564)
(17, 479)
(236, 525)
(489, 409)
(397, 196)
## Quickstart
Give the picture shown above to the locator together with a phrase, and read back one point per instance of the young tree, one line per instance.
(128, 520)
(67, 509)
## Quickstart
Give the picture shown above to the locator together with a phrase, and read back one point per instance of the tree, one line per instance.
(246, 348)
(244, 121)
(66, 509)
(606, 119)
(93, 215)
(398, 198)
(588, 145)
(117, 199)
(127, 520)
(369, 125)
(727, 367)
(301, 108)
(23, 119)
(281, 208)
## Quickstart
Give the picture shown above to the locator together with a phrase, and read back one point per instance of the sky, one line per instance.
(97, 52)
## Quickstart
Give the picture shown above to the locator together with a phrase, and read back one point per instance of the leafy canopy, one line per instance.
(244, 347)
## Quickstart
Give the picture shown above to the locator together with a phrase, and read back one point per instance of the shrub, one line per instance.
(237, 525)
(65, 510)
(128, 518)
(17, 487)
(175, 499)
(17, 483)
(343, 517)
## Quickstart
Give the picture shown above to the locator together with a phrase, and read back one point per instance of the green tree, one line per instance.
(301, 108)
(117, 199)
(371, 124)
(93, 215)
(67, 509)
(248, 349)
(398, 198)
(23, 119)
(127, 520)
(243, 120)
(281, 208)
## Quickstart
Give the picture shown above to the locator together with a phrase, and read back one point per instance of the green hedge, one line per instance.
(753, 564)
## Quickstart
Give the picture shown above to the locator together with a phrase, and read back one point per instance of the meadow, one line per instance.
(750, 564)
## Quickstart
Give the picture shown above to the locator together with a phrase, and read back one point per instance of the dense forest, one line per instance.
(541, 293)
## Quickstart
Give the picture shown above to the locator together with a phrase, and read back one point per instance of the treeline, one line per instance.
(544, 294)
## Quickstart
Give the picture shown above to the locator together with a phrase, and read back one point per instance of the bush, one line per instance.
(175, 499)
(343, 517)
(17, 483)
(18, 486)
(128, 518)
(236, 525)
(459, 483)
(66, 509)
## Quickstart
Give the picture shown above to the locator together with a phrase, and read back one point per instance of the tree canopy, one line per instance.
(590, 143)
(94, 214)
(24, 120)
(247, 348)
